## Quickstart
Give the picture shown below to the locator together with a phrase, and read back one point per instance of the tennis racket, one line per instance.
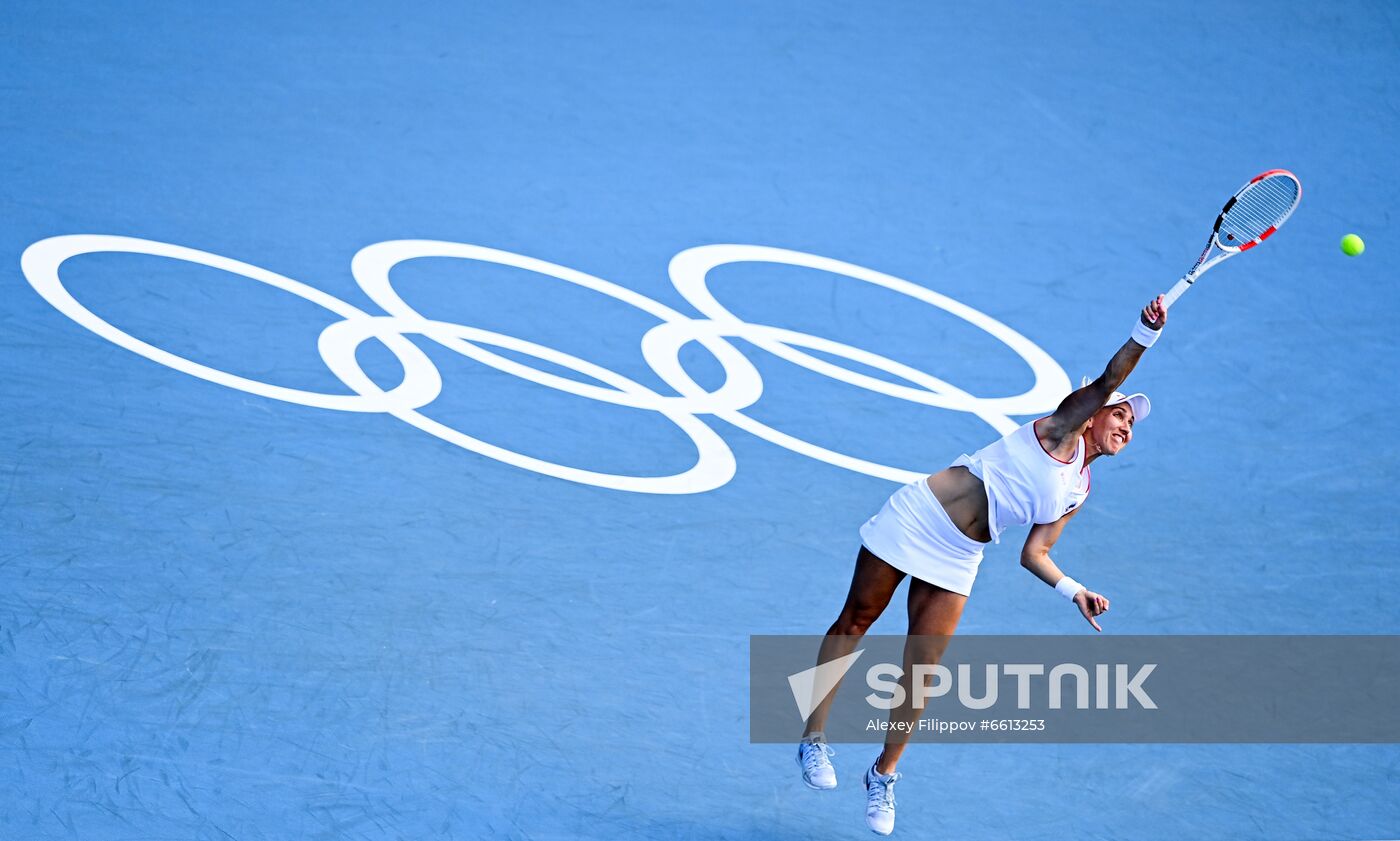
(1251, 216)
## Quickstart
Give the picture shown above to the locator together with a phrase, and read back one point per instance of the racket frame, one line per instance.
(1209, 259)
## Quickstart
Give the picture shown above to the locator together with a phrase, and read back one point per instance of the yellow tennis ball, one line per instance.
(1352, 245)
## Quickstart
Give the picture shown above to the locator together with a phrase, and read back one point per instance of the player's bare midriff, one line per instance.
(964, 497)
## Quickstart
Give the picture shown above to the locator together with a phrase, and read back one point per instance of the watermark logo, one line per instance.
(810, 686)
(1187, 689)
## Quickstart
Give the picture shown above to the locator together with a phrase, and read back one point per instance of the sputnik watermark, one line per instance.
(1077, 689)
(1111, 685)
(937, 681)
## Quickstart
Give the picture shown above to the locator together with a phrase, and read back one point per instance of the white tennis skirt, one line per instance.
(913, 534)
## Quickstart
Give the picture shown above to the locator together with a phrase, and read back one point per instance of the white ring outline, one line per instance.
(714, 466)
(742, 384)
(689, 270)
(670, 370)
(42, 260)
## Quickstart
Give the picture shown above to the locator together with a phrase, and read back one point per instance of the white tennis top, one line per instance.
(1025, 484)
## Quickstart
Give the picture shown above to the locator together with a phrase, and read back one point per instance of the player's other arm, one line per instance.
(1035, 556)
(1082, 403)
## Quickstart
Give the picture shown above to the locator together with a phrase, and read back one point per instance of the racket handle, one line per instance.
(1178, 290)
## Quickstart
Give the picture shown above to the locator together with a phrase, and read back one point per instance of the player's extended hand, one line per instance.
(1091, 604)
(1154, 315)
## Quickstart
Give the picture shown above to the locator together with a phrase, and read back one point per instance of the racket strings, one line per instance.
(1263, 205)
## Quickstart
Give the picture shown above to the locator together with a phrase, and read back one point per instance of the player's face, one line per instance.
(1113, 428)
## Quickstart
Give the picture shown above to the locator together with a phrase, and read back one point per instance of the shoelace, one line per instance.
(881, 794)
(816, 751)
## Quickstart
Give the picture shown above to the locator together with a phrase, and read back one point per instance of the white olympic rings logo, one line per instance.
(660, 347)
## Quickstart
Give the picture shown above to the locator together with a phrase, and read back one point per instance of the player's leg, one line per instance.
(933, 617)
(872, 586)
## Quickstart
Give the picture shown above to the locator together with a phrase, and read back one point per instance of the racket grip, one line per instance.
(1178, 290)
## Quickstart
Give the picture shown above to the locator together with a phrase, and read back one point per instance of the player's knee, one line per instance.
(855, 623)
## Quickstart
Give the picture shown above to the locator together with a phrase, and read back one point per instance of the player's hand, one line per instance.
(1091, 604)
(1154, 315)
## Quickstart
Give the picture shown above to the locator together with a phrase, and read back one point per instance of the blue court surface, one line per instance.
(504, 587)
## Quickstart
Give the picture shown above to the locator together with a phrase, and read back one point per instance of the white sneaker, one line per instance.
(879, 800)
(814, 755)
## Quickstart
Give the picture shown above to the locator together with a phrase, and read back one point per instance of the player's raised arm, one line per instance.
(1082, 403)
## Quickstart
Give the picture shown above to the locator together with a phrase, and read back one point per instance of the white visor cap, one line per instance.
(1139, 403)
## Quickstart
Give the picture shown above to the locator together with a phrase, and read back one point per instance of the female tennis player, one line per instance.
(934, 529)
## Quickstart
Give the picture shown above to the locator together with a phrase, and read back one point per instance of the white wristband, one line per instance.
(1068, 587)
(1144, 335)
